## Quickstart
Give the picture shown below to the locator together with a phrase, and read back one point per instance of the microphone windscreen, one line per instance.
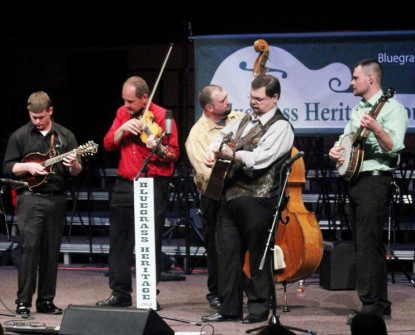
(168, 121)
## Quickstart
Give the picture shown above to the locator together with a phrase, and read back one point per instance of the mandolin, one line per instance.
(49, 159)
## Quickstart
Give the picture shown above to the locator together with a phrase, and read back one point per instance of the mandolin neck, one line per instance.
(56, 159)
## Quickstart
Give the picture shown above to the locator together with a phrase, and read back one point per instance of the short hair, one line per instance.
(372, 65)
(205, 94)
(140, 85)
(38, 102)
(272, 85)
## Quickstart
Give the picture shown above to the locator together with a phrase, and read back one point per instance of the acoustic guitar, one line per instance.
(49, 159)
(353, 143)
(219, 172)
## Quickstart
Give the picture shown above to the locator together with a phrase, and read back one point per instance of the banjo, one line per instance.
(353, 143)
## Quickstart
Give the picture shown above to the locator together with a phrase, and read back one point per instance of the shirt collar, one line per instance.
(372, 101)
(215, 125)
(265, 117)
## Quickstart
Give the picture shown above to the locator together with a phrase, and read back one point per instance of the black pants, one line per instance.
(41, 220)
(122, 232)
(369, 203)
(209, 215)
(244, 226)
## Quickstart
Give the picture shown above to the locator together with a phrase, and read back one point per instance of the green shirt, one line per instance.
(393, 118)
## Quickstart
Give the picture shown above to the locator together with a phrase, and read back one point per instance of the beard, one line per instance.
(228, 110)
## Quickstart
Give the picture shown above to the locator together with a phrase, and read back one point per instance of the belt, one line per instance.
(46, 194)
(376, 173)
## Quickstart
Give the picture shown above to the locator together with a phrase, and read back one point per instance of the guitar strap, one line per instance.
(255, 131)
(52, 151)
(374, 113)
(52, 141)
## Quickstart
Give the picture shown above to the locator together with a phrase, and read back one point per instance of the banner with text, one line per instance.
(145, 244)
(315, 71)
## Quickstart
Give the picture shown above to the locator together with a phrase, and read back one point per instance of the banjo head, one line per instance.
(347, 144)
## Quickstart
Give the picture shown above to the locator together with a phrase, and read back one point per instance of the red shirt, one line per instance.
(134, 152)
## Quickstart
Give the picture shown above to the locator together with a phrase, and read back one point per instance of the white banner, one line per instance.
(145, 245)
(315, 71)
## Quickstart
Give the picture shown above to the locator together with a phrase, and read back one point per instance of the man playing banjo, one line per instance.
(369, 187)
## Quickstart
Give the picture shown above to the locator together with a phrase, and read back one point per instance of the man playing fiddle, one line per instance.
(125, 134)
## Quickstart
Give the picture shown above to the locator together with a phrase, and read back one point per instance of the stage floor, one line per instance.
(319, 310)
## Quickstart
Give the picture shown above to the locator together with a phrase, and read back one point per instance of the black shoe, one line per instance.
(351, 316)
(387, 314)
(115, 301)
(48, 307)
(251, 318)
(219, 318)
(23, 310)
(215, 303)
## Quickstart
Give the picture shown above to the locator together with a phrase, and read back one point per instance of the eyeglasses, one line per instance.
(258, 100)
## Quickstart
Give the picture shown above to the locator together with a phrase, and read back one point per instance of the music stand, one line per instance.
(390, 256)
(10, 182)
(282, 202)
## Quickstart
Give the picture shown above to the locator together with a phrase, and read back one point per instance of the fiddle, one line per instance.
(150, 127)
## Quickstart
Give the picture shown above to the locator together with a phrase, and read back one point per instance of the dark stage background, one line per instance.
(82, 56)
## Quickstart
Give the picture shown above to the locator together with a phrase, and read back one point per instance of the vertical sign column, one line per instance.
(145, 245)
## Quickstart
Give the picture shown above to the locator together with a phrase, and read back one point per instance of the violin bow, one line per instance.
(150, 98)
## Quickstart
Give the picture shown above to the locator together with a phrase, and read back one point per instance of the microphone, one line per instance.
(167, 124)
(293, 159)
(13, 182)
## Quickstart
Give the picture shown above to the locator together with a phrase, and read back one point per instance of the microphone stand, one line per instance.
(282, 202)
(391, 224)
(147, 160)
(196, 323)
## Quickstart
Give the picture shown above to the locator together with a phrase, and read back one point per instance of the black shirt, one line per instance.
(27, 140)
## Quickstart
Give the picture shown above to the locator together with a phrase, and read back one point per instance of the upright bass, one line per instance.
(298, 235)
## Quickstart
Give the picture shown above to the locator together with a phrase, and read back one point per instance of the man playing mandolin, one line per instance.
(369, 190)
(41, 213)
